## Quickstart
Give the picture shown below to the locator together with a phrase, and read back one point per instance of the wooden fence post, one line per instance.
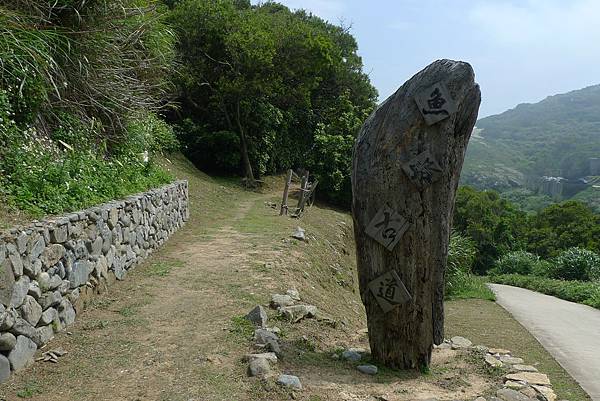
(303, 193)
(286, 190)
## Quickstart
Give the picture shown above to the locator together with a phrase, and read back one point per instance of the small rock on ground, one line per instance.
(269, 356)
(508, 394)
(294, 294)
(514, 385)
(258, 316)
(279, 301)
(296, 313)
(367, 369)
(458, 342)
(299, 234)
(259, 367)
(547, 392)
(289, 381)
(263, 336)
(493, 362)
(511, 360)
(530, 377)
(524, 368)
(351, 355)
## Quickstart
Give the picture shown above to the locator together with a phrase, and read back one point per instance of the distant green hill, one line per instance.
(555, 137)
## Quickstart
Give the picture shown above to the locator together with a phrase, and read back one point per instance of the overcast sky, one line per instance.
(521, 50)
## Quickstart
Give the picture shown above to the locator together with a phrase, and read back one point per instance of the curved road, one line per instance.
(569, 331)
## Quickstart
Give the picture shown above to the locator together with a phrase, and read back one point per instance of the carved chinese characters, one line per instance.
(435, 103)
(405, 171)
(422, 170)
(387, 227)
(389, 291)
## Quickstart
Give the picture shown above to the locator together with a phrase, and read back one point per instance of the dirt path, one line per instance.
(159, 335)
(569, 331)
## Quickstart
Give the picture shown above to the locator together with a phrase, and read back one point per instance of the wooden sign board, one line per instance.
(389, 291)
(435, 103)
(387, 227)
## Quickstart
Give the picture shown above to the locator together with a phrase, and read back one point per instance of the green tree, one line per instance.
(280, 80)
(561, 226)
(494, 224)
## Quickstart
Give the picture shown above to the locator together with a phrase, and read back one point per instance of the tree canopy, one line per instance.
(263, 89)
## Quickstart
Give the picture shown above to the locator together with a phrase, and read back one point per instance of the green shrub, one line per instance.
(583, 292)
(461, 255)
(576, 264)
(42, 176)
(519, 262)
(148, 133)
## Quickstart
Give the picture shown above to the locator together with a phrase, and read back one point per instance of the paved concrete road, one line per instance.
(569, 331)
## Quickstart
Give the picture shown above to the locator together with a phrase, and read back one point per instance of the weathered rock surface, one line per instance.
(19, 292)
(269, 356)
(259, 367)
(279, 301)
(294, 294)
(258, 316)
(458, 342)
(547, 392)
(493, 362)
(295, 313)
(52, 254)
(530, 377)
(31, 311)
(511, 360)
(299, 234)
(80, 273)
(523, 368)
(7, 341)
(352, 355)
(289, 381)
(4, 368)
(262, 336)
(48, 316)
(508, 394)
(22, 355)
(367, 369)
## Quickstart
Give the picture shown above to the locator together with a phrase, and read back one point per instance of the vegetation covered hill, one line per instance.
(554, 137)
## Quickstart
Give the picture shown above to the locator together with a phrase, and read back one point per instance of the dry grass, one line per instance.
(172, 330)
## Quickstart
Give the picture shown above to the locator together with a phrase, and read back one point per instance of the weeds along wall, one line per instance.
(49, 268)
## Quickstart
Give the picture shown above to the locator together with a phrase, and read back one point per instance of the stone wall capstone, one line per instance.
(48, 268)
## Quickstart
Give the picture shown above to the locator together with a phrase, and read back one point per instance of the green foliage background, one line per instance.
(287, 88)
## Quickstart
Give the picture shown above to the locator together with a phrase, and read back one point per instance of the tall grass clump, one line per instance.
(460, 280)
(81, 84)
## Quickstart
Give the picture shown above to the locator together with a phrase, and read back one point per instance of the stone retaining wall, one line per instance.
(48, 268)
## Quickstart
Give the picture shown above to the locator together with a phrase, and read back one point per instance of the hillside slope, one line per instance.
(556, 136)
(174, 329)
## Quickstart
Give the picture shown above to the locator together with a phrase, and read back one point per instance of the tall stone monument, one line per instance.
(406, 166)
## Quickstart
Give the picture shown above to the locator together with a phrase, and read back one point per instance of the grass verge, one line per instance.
(486, 323)
(583, 292)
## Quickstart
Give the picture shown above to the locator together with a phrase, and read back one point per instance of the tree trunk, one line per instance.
(407, 160)
(247, 166)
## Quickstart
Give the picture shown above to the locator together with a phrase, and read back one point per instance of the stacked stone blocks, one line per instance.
(50, 267)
